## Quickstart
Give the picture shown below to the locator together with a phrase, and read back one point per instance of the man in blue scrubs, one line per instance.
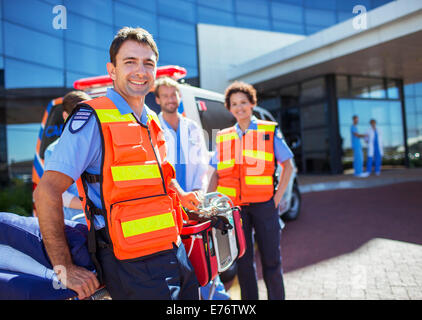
(357, 149)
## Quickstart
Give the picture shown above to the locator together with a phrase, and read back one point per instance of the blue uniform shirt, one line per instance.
(355, 140)
(81, 151)
(281, 150)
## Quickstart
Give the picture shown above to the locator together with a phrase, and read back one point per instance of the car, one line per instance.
(205, 107)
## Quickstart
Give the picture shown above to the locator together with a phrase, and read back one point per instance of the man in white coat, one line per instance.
(375, 148)
(186, 151)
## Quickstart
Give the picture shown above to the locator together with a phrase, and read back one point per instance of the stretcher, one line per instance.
(213, 241)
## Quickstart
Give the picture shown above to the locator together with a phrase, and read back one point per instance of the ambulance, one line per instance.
(205, 107)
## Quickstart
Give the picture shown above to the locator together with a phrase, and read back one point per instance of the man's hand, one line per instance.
(79, 279)
(190, 200)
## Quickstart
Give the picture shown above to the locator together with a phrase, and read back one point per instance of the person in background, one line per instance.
(357, 149)
(72, 205)
(245, 162)
(186, 151)
(375, 148)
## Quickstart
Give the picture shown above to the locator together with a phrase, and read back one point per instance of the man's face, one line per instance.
(355, 120)
(135, 69)
(168, 98)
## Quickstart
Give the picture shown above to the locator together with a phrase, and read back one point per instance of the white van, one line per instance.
(203, 106)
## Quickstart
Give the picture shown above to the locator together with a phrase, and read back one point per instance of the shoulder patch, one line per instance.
(79, 119)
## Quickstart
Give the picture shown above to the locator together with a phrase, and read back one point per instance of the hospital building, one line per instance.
(314, 63)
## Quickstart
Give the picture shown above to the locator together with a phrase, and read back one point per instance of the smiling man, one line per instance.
(114, 148)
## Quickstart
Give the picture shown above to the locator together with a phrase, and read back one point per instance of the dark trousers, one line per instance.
(165, 276)
(263, 218)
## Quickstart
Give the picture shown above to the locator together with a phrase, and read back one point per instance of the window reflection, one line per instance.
(389, 121)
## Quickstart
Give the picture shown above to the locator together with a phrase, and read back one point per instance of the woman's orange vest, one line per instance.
(143, 216)
(246, 166)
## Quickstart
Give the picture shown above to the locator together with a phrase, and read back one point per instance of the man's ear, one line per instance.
(111, 69)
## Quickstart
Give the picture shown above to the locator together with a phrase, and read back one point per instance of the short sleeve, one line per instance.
(77, 151)
(282, 151)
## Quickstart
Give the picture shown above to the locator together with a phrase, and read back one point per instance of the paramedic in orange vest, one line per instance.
(245, 162)
(114, 148)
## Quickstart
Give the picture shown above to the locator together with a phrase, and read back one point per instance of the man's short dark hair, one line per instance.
(72, 98)
(354, 117)
(239, 86)
(136, 34)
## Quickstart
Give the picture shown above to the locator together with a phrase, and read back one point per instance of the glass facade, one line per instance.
(36, 54)
(371, 98)
(413, 103)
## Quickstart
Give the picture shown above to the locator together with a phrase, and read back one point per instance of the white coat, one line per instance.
(370, 141)
(193, 148)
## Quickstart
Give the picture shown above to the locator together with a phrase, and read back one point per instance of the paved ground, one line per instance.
(358, 243)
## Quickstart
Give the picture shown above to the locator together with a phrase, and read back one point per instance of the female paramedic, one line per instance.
(245, 162)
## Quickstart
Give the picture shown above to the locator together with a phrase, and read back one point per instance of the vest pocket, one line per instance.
(127, 143)
(143, 226)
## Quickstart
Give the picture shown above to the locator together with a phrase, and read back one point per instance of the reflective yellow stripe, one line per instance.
(259, 180)
(227, 191)
(266, 127)
(113, 115)
(124, 173)
(225, 164)
(149, 224)
(260, 155)
(226, 137)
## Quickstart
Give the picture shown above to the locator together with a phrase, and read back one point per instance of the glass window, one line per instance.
(177, 31)
(288, 27)
(21, 141)
(180, 10)
(349, 4)
(321, 4)
(342, 86)
(393, 89)
(342, 16)
(313, 116)
(130, 16)
(252, 7)
(71, 77)
(213, 16)
(34, 14)
(312, 90)
(150, 5)
(320, 17)
(178, 53)
(409, 89)
(389, 121)
(289, 96)
(418, 88)
(287, 12)
(252, 22)
(81, 59)
(20, 74)
(313, 29)
(226, 5)
(367, 87)
(89, 32)
(95, 9)
(33, 46)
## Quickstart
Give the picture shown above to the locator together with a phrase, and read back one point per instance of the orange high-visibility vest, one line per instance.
(143, 216)
(246, 166)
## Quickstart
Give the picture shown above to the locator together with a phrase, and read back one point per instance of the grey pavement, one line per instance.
(378, 269)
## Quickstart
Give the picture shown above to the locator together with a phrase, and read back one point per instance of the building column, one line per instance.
(403, 115)
(335, 144)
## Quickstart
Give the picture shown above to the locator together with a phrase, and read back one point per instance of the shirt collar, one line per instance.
(252, 126)
(124, 107)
